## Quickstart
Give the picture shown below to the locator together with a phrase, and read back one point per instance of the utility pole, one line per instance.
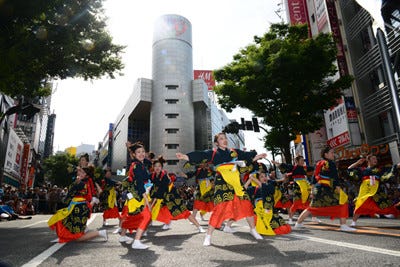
(390, 81)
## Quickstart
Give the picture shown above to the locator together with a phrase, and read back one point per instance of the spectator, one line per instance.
(53, 199)
(7, 212)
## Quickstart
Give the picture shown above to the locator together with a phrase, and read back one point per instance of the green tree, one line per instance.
(59, 169)
(285, 78)
(44, 40)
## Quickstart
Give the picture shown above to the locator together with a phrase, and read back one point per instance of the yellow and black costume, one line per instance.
(230, 199)
(372, 197)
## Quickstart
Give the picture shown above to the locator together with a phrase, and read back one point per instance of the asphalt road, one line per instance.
(376, 243)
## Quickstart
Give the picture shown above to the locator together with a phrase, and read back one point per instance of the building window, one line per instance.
(172, 146)
(172, 162)
(171, 101)
(171, 115)
(171, 87)
(172, 130)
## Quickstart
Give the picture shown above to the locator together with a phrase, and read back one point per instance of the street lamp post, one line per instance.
(390, 81)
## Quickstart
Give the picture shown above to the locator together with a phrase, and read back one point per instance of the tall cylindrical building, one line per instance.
(172, 110)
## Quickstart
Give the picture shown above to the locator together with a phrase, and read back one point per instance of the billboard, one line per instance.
(206, 76)
(337, 127)
(13, 160)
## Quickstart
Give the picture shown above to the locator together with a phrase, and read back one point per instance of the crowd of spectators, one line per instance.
(38, 200)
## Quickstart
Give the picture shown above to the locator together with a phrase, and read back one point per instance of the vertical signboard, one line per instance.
(334, 22)
(24, 165)
(317, 141)
(298, 14)
(320, 13)
(31, 177)
(12, 163)
(110, 144)
(351, 109)
(337, 125)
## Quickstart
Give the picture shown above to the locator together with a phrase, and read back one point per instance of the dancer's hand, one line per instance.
(182, 156)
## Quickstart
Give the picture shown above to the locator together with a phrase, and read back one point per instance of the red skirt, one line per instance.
(286, 205)
(298, 205)
(369, 207)
(183, 215)
(64, 235)
(164, 215)
(339, 211)
(235, 209)
(205, 206)
(283, 229)
(111, 213)
(137, 221)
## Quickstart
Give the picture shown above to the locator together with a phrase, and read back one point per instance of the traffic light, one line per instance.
(29, 110)
(243, 124)
(249, 126)
(256, 127)
(232, 127)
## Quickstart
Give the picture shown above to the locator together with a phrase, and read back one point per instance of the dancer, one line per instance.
(268, 220)
(94, 187)
(70, 222)
(136, 213)
(328, 198)
(108, 198)
(281, 196)
(167, 204)
(204, 196)
(230, 199)
(301, 185)
(372, 197)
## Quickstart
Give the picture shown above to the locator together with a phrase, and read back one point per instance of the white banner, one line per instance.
(13, 160)
(337, 127)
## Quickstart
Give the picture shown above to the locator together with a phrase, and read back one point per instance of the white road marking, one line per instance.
(349, 245)
(50, 251)
(32, 224)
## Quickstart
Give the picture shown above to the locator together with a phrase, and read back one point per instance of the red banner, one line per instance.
(24, 166)
(297, 12)
(337, 36)
(206, 76)
(31, 177)
(341, 139)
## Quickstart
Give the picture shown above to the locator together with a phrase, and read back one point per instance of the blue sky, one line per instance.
(219, 29)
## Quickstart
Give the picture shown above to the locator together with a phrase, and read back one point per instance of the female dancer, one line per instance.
(281, 197)
(203, 201)
(230, 199)
(167, 204)
(136, 213)
(301, 186)
(268, 220)
(94, 187)
(70, 222)
(372, 197)
(109, 198)
(328, 199)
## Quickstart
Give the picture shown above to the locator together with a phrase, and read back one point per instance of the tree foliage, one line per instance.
(43, 40)
(285, 78)
(59, 169)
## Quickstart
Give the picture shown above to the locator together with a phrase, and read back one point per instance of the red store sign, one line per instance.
(342, 139)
